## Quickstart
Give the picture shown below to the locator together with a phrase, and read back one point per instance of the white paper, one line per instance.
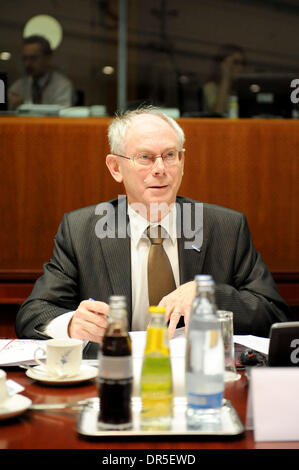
(18, 351)
(275, 404)
(21, 351)
(257, 343)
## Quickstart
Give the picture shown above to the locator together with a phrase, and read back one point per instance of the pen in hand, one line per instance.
(106, 315)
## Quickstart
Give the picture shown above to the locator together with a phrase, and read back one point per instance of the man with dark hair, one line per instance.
(41, 84)
(43, 42)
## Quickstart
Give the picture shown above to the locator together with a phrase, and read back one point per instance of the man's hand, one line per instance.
(178, 303)
(89, 321)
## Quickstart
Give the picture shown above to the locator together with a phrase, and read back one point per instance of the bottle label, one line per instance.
(201, 401)
(115, 368)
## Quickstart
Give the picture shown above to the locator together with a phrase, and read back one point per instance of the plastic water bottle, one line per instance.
(204, 359)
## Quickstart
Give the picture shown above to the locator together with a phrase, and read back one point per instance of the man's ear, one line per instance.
(113, 166)
(183, 161)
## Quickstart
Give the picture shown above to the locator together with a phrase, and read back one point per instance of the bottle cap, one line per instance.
(205, 279)
(117, 301)
(155, 309)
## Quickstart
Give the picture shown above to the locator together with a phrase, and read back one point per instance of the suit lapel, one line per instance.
(191, 251)
(116, 248)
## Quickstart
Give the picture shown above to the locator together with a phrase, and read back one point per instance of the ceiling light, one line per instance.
(46, 26)
(255, 88)
(5, 55)
(108, 70)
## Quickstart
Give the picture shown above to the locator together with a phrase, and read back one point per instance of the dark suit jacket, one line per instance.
(84, 266)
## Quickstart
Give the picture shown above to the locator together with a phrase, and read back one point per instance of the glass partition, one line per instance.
(211, 58)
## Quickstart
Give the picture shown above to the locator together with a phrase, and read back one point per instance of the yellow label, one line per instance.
(157, 341)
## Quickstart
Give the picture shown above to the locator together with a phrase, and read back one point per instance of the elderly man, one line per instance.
(110, 248)
(40, 84)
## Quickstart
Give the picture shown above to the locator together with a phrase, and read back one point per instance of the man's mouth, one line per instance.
(159, 187)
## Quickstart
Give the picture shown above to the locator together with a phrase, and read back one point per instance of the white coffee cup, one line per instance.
(63, 357)
(3, 387)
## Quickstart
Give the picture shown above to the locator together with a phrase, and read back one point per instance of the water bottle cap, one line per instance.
(203, 277)
(204, 281)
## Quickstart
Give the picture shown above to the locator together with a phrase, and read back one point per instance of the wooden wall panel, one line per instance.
(250, 166)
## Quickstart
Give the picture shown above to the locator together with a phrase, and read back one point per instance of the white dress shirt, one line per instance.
(140, 244)
(58, 89)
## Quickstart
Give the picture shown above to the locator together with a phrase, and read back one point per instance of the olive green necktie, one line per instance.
(160, 276)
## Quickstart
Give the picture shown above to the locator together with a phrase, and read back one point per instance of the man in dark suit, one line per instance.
(103, 250)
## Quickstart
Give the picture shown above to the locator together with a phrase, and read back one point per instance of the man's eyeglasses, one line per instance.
(31, 58)
(169, 157)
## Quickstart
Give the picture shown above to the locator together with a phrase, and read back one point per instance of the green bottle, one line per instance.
(156, 376)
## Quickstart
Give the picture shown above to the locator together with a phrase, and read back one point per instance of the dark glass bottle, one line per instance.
(115, 370)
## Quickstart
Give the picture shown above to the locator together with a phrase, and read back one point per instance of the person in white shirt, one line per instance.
(40, 84)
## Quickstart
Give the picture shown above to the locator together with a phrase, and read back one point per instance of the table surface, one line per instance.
(58, 429)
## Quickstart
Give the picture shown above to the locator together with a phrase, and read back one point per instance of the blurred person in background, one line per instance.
(40, 84)
(228, 64)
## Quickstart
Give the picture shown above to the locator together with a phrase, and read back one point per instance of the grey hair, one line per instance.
(118, 128)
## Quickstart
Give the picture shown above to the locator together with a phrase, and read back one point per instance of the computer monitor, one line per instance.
(3, 78)
(284, 344)
(264, 95)
(190, 99)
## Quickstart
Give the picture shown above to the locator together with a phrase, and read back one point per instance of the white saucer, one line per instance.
(15, 405)
(39, 374)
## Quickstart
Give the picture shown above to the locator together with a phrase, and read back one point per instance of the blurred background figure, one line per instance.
(40, 84)
(228, 64)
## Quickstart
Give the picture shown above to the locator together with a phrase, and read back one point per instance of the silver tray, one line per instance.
(230, 424)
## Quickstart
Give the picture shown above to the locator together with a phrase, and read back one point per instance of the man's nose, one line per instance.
(159, 165)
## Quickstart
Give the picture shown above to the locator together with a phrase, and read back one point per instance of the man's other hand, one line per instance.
(178, 303)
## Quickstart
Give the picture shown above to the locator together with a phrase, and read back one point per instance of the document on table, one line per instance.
(256, 343)
(178, 342)
(21, 351)
(18, 351)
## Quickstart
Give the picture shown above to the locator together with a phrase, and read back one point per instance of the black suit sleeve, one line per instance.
(55, 292)
(252, 295)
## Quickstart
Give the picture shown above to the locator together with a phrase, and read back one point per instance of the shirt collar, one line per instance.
(43, 80)
(139, 224)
